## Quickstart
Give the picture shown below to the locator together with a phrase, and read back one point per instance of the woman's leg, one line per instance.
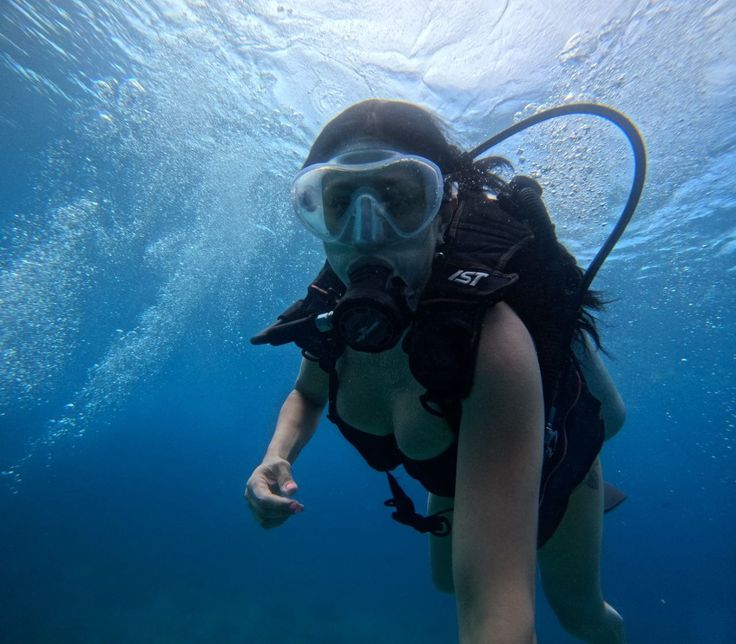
(570, 567)
(440, 548)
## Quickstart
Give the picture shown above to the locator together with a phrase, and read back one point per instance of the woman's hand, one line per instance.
(271, 486)
(269, 491)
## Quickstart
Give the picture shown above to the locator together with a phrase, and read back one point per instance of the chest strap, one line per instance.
(404, 512)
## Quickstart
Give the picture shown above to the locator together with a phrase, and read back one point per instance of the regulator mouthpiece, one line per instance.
(374, 312)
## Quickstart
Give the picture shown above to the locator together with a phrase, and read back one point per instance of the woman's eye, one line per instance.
(337, 202)
(337, 194)
(403, 199)
(308, 200)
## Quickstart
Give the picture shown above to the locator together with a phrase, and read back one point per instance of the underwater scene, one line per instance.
(147, 150)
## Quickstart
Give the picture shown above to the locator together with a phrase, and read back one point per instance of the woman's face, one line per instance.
(395, 190)
(411, 259)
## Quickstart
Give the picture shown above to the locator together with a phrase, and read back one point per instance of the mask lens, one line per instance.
(337, 193)
(403, 190)
(407, 191)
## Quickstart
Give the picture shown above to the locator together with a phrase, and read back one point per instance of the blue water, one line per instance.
(145, 234)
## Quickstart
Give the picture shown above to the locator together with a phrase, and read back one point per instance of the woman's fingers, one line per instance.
(269, 508)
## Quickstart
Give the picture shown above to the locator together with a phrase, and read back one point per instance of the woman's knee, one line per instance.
(440, 552)
(440, 547)
(443, 582)
(577, 618)
(591, 621)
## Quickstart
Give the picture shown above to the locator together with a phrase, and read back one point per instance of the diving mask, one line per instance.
(368, 197)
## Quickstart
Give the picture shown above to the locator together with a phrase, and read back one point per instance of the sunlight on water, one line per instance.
(169, 183)
(179, 189)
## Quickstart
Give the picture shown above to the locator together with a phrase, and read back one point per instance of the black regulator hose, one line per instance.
(640, 167)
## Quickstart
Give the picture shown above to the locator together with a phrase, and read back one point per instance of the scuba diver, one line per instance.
(450, 332)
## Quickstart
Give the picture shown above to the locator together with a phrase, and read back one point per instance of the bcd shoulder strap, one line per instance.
(468, 276)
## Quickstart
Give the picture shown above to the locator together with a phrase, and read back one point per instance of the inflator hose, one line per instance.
(530, 201)
(640, 168)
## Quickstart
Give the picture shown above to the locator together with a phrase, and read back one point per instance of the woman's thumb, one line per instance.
(287, 485)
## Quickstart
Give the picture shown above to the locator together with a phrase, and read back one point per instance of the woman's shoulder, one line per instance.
(312, 382)
(503, 336)
(506, 362)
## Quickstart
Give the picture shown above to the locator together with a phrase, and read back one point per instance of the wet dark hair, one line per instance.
(405, 126)
(412, 129)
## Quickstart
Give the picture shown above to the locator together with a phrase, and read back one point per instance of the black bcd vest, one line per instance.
(495, 248)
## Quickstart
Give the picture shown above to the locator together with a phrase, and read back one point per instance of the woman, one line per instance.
(385, 191)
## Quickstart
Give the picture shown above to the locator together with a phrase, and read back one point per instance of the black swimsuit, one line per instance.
(573, 438)
(436, 474)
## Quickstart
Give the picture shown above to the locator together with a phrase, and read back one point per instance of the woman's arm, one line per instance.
(497, 489)
(300, 413)
(271, 486)
(601, 385)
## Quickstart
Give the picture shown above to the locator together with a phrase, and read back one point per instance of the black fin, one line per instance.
(612, 497)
